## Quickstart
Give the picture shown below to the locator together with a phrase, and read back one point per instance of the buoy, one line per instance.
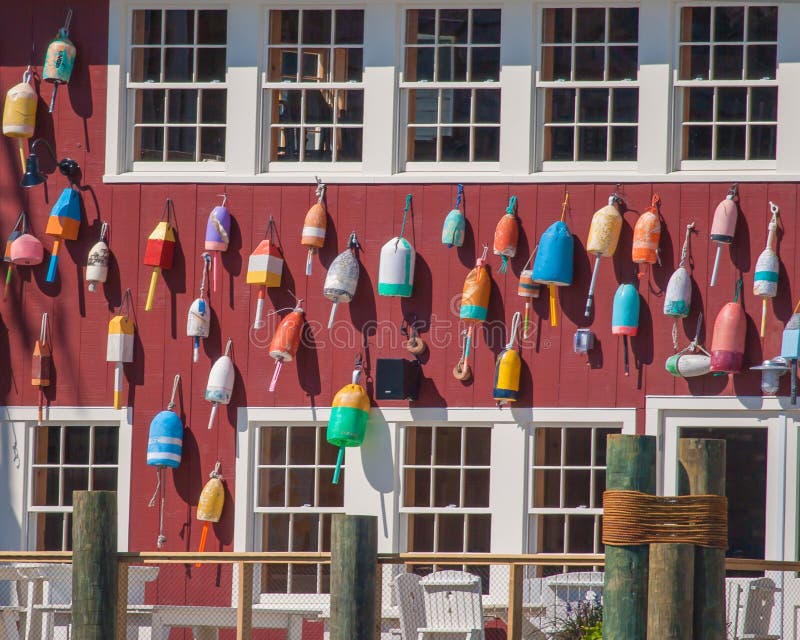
(455, 223)
(40, 365)
(286, 341)
(64, 223)
(315, 226)
(691, 361)
(160, 249)
(119, 349)
(209, 506)
(625, 316)
(765, 280)
(508, 368)
(219, 389)
(790, 347)
(603, 239)
(647, 235)
(28, 252)
(528, 289)
(218, 233)
(396, 267)
(730, 330)
(198, 320)
(97, 262)
(349, 414)
(164, 448)
(723, 227)
(342, 278)
(59, 60)
(474, 309)
(506, 235)
(265, 268)
(554, 261)
(19, 112)
(678, 297)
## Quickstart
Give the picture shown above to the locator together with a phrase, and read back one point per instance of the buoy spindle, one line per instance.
(52, 269)
(553, 310)
(716, 265)
(590, 298)
(339, 460)
(274, 381)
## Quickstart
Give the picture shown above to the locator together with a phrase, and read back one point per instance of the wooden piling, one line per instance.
(630, 465)
(702, 472)
(94, 565)
(354, 548)
(670, 592)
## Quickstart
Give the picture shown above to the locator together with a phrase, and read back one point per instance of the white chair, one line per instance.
(759, 600)
(410, 605)
(12, 607)
(564, 591)
(453, 606)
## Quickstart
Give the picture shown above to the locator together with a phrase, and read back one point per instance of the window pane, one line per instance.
(581, 534)
(418, 445)
(762, 62)
(212, 26)
(599, 488)
(448, 446)
(729, 24)
(212, 144)
(422, 144)
(446, 488)
(487, 144)
(698, 142)
(285, 144)
(625, 105)
(700, 105)
(590, 25)
(330, 495)
(211, 65)
(301, 487)
(623, 25)
(622, 63)
(419, 64)
(485, 64)
(576, 488)
(348, 65)
(732, 104)
(288, 107)
(589, 63)
(696, 24)
(728, 62)
(74, 480)
(601, 443)
(560, 105)
(318, 106)
(50, 529)
(351, 106)
(302, 445)
(317, 144)
(695, 62)
(284, 26)
(272, 488)
(478, 447)
(275, 535)
(104, 479)
(180, 26)
(283, 65)
(48, 445)
(593, 105)
(547, 488)
(45, 487)
(762, 142)
(479, 533)
(420, 25)
(178, 65)
(486, 26)
(420, 532)
(453, 26)
(487, 106)
(149, 106)
(730, 142)
(551, 534)
(451, 533)
(548, 445)
(273, 445)
(764, 103)
(305, 532)
(304, 578)
(592, 143)
(476, 488)
(557, 25)
(105, 445)
(182, 106)
(145, 65)
(146, 27)
(76, 445)
(350, 143)
(456, 105)
(148, 144)
(213, 107)
(762, 24)
(316, 26)
(452, 64)
(275, 578)
(349, 27)
(556, 63)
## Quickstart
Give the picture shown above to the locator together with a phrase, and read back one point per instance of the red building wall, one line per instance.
(552, 374)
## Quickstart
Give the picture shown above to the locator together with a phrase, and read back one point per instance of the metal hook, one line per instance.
(228, 346)
(774, 209)
(103, 231)
(175, 384)
(68, 21)
(224, 197)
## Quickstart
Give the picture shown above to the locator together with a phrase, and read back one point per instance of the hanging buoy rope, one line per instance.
(159, 251)
(40, 367)
(119, 348)
(678, 297)
(506, 235)
(210, 504)
(164, 449)
(219, 389)
(315, 225)
(765, 281)
(198, 321)
(528, 289)
(218, 233)
(455, 223)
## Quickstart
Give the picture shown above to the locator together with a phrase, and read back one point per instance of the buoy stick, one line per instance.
(202, 546)
(339, 460)
(553, 316)
(716, 265)
(309, 261)
(8, 280)
(213, 415)
(794, 382)
(53, 268)
(625, 352)
(118, 385)
(525, 322)
(259, 321)
(763, 317)
(274, 382)
(467, 345)
(214, 271)
(590, 297)
(21, 154)
(333, 315)
(41, 402)
(196, 349)
(53, 99)
(151, 292)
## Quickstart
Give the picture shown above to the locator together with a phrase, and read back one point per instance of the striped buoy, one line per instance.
(691, 361)
(210, 504)
(768, 267)
(218, 233)
(553, 265)
(314, 226)
(64, 223)
(678, 297)
(342, 278)
(603, 238)
(119, 348)
(396, 266)
(455, 223)
(159, 251)
(625, 316)
(41, 363)
(348, 421)
(506, 235)
(265, 268)
(219, 389)
(474, 309)
(508, 368)
(730, 331)
(723, 227)
(647, 234)
(198, 320)
(164, 449)
(286, 341)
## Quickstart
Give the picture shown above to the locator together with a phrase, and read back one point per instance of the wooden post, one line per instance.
(354, 548)
(244, 601)
(630, 465)
(516, 572)
(122, 601)
(702, 472)
(94, 565)
(670, 592)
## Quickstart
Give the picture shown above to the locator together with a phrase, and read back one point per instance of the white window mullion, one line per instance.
(788, 76)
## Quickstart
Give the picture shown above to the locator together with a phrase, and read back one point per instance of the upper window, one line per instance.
(587, 84)
(313, 89)
(727, 88)
(176, 86)
(450, 91)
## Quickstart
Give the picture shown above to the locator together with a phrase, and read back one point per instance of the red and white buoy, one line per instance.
(41, 363)
(219, 389)
(265, 268)
(198, 321)
(723, 227)
(285, 342)
(315, 226)
(768, 267)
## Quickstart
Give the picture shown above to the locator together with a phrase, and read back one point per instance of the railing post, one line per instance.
(122, 600)
(516, 572)
(244, 601)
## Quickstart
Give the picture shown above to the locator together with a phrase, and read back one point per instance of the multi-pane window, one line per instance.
(727, 89)
(446, 492)
(176, 85)
(314, 90)
(451, 85)
(587, 84)
(295, 497)
(66, 459)
(567, 483)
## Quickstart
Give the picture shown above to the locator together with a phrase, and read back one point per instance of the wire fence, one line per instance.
(286, 597)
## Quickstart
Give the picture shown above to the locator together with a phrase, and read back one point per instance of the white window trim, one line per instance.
(23, 419)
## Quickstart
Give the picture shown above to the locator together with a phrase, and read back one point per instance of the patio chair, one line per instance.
(453, 606)
(759, 600)
(410, 605)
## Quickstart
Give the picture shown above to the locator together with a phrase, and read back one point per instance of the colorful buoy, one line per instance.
(396, 267)
(219, 389)
(730, 331)
(119, 348)
(506, 235)
(159, 251)
(768, 267)
(315, 226)
(647, 235)
(691, 361)
(210, 504)
(59, 60)
(218, 234)
(349, 415)
(286, 341)
(41, 363)
(603, 238)
(455, 223)
(678, 297)
(64, 223)
(508, 368)
(19, 112)
(265, 268)
(474, 309)
(97, 262)
(625, 316)
(554, 261)
(342, 278)
(198, 320)
(723, 227)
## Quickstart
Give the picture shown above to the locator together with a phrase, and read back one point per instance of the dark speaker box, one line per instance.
(397, 379)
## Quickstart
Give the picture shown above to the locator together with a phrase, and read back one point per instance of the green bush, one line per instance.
(583, 621)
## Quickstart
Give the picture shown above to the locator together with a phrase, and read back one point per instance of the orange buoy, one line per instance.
(286, 341)
(40, 365)
(315, 226)
(647, 234)
(474, 308)
(265, 268)
(730, 330)
(506, 235)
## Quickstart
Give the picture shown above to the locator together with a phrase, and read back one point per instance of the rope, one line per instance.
(739, 285)
(169, 212)
(206, 269)
(528, 263)
(403, 224)
(127, 303)
(228, 346)
(634, 518)
(459, 195)
(564, 206)
(320, 191)
(175, 385)
(511, 209)
(686, 252)
(43, 330)
(353, 243)
(512, 336)
(103, 231)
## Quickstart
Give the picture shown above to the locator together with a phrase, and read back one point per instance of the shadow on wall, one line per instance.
(11, 474)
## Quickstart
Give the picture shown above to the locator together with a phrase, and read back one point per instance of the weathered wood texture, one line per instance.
(630, 465)
(94, 565)
(354, 548)
(670, 591)
(701, 471)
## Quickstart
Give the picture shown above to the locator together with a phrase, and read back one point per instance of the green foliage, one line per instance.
(584, 621)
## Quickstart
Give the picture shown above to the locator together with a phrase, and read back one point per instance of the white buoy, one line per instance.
(342, 278)
(220, 382)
